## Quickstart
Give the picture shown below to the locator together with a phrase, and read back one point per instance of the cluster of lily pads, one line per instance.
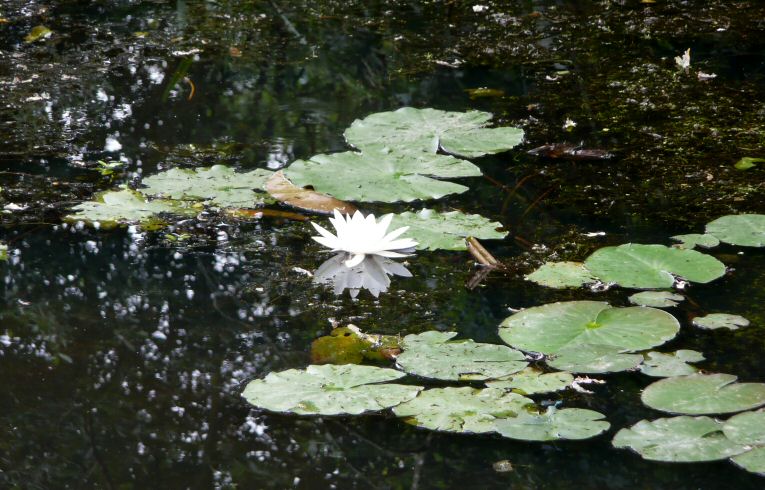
(398, 156)
(572, 338)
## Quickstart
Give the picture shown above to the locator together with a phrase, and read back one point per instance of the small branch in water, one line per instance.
(193, 88)
(481, 255)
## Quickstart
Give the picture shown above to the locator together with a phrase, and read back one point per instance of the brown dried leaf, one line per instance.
(285, 191)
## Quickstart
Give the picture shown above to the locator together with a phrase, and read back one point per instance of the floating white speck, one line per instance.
(112, 144)
(480, 8)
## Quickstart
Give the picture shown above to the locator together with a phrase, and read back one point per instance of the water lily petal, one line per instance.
(355, 260)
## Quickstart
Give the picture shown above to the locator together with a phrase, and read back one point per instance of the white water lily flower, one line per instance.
(360, 236)
(684, 61)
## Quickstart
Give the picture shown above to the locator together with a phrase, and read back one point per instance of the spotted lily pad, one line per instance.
(428, 130)
(652, 266)
(552, 327)
(739, 229)
(218, 185)
(446, 231)
(562, 275)
(662, 365)
(462, 409)
(125, 206)
(433, 355)
(700, 394)
(532, 381)
(554, 424)
(656, 299)
(694, 240)
(593, 359)
(329, 390)
(679, 439)
(378, 175)
(714, 321)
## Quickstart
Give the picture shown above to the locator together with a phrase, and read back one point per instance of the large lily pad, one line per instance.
(679, 439)
(377, 175)
(568, 423)
(562, 275)
(432, 355)
(746, 428)
(713, 321)
(446, 231)
(739, 229)
(218, 185)
(428, 130)
(553, 327)
(593, 359)
(700, 394)
(125, 206)
(329, 390)
(462, 409)
(652, 266)
(656, 299)
(662, 365)
(532, 381)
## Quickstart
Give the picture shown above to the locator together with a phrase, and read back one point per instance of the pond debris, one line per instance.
(567, 151)
(684, 61)
(580, 380)
(281, 189)
(480, 254)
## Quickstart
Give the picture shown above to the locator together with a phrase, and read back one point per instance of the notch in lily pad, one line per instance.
(656, 299)
(553, 425)
(661, 365)
(714, 321)
(746, 230)
(703, 394)
(447, 231)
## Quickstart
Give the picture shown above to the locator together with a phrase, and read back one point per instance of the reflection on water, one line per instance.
(371, 274)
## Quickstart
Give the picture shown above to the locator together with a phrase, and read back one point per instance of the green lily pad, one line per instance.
(125, 206)
(329, 390)
(748, 162)
(562, 275)
(662, 365)
(432, 355)
(532, 381)
(739, 229)
(714, 321)
(218, 185)
(752, 461)
(593, 359)
(428, 130)
(378, 175)
(652, 266)
(678, 440)
(553, 425)
(446, 231)
(693, 240)
(656, 299)
(552, 327)
(700, 394)
(466, 410)
(746, 428)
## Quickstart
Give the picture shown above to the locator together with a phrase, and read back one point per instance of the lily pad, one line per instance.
(125, 206)
(662, 365)
(746, 428)
(678, 440)
(465, 409)
(428, 130)
(739, 229)
(349, 345)
(714, 321)
(550, 328)
(446, 231)
(377, 175)
(748, 162)
(433, 355)
(562, 275)
(532, 381)
(553, 425)
(38, 33)
(656, 299)
(701, 394)
(218, 185)
(652, 266)
(694, 240)
(752, 461)
(593, 359)
(329, 390)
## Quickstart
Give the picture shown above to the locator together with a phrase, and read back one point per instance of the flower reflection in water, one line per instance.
(373, 273)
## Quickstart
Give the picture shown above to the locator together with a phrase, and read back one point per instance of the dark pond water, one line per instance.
(123, 353)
